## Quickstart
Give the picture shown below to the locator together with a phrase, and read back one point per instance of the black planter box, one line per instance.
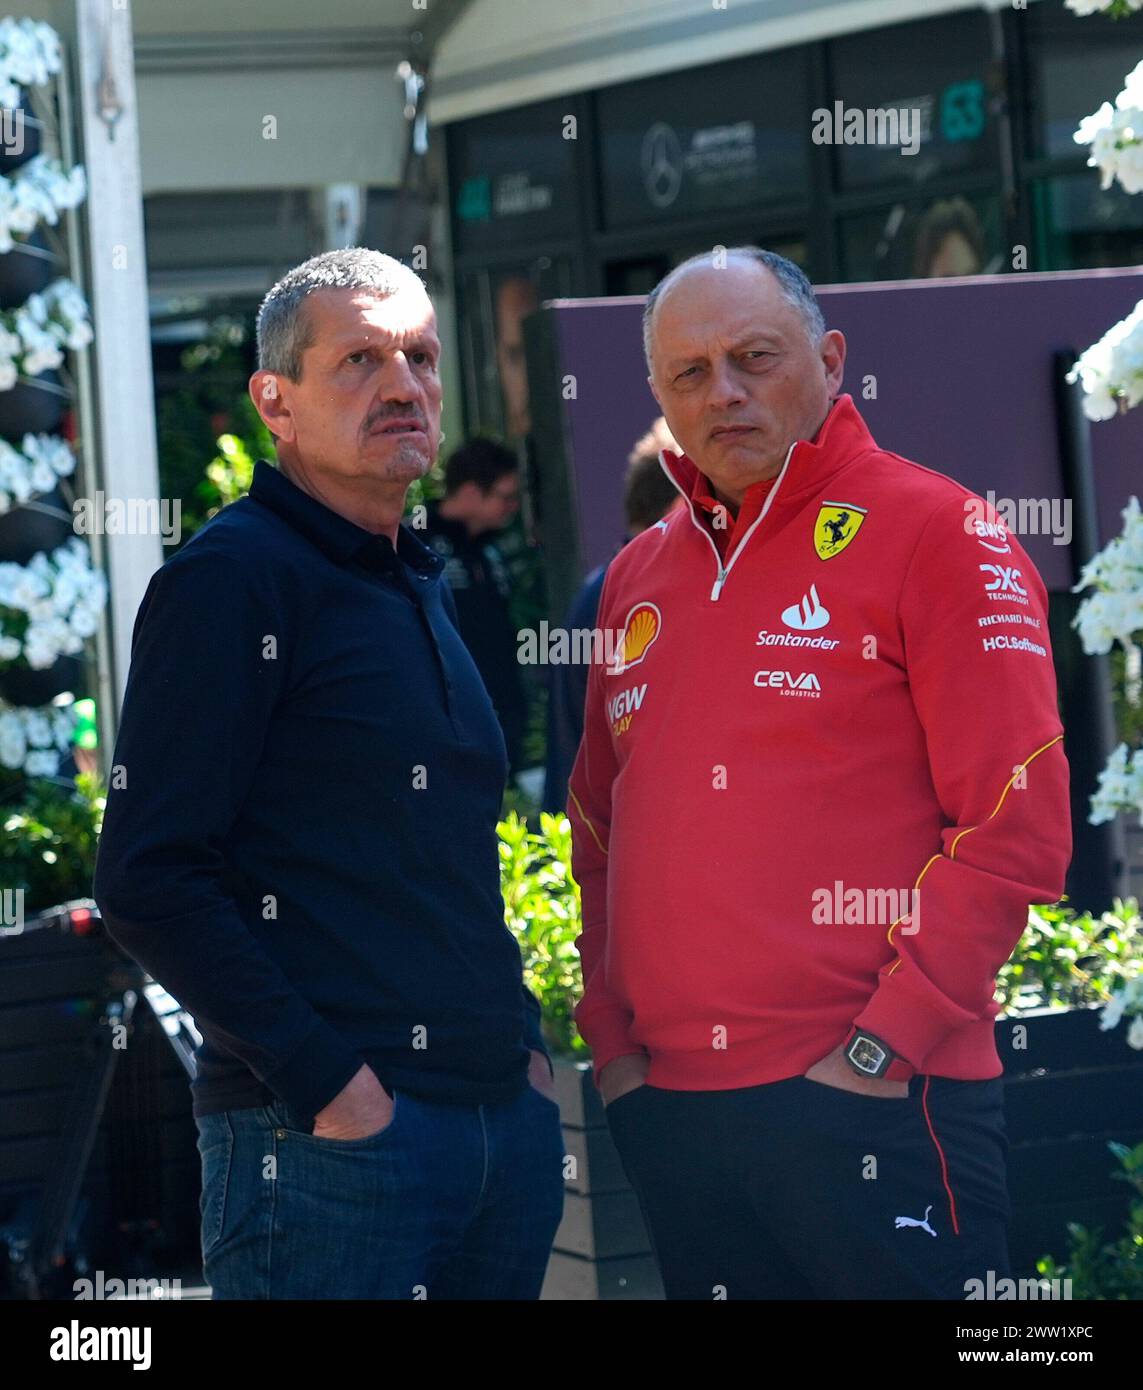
(1069, 1090)
(21, 686)
(29, 268)
(21, 122)
(36, 405)
(140, 1188)
(44, 523)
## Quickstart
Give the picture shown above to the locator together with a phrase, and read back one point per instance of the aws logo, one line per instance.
(993, 535)
(640, 632)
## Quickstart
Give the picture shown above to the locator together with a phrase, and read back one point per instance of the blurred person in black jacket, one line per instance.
(648, 494)
(482, 495)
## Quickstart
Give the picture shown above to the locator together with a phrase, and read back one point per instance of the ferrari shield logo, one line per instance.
(836, 526)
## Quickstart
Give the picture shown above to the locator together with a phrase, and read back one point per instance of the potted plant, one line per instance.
(1106, 1269)
(48, 609)
(34, 511)
(1073, 1070)
(47, 849)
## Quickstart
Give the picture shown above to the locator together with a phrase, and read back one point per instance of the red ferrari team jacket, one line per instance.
(821, 779)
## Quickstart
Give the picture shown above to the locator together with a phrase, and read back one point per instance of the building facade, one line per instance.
(600, 191)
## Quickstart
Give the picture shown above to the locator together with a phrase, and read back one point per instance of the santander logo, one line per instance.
(808, 615)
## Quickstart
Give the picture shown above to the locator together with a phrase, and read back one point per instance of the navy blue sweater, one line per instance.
(299, 841)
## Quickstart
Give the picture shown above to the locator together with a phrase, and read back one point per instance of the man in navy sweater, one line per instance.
(300, 844)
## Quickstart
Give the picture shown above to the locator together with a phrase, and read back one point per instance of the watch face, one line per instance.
(867, 1055)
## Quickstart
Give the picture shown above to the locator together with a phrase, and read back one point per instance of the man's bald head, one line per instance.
(791, 280)
(741, 363)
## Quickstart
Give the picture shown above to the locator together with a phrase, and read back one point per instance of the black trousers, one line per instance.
(796, 1189)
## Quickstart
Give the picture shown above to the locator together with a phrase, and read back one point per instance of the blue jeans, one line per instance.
(446, 1202)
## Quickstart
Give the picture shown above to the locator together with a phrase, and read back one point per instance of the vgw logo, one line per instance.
(621, 708)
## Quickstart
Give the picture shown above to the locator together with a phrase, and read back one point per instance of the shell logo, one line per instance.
(643, 625)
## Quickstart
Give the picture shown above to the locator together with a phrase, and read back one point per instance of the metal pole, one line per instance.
(123, 459)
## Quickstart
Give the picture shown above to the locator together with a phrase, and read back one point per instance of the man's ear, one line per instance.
(269, 402)
(651, 384)
(833, 358)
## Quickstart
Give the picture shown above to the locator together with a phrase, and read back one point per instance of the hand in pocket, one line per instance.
(361, 1110)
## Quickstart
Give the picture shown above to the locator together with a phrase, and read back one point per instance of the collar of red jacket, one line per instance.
(843, 437)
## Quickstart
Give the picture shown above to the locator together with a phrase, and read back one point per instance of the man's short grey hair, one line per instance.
(284, 331)
(791, 279)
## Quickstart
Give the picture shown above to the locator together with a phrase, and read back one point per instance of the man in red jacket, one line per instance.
(821, 780)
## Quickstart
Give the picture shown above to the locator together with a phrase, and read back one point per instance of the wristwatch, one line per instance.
(868, 1055)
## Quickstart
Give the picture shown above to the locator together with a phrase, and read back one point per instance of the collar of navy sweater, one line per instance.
(341, 539)
(843, 437)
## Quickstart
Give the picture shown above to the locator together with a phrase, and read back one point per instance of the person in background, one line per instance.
(648, 494)
(482, 495)
(949, 242)
(516, 298)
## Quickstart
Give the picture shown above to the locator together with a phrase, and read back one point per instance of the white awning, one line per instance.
(491, 59)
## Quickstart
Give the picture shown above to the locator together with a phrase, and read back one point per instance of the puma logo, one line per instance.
(903, 1221)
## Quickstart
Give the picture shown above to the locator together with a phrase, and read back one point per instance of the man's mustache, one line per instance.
(382, 420)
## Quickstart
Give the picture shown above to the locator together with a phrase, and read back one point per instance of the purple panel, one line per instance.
(963, 373)
(613, 408)
(964, 381)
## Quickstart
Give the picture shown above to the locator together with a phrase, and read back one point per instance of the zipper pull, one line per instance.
(718, 583)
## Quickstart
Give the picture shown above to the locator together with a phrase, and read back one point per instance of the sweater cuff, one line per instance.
(606, 1034)
(910, 1026)
(317, 1071)
(598, 1063)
